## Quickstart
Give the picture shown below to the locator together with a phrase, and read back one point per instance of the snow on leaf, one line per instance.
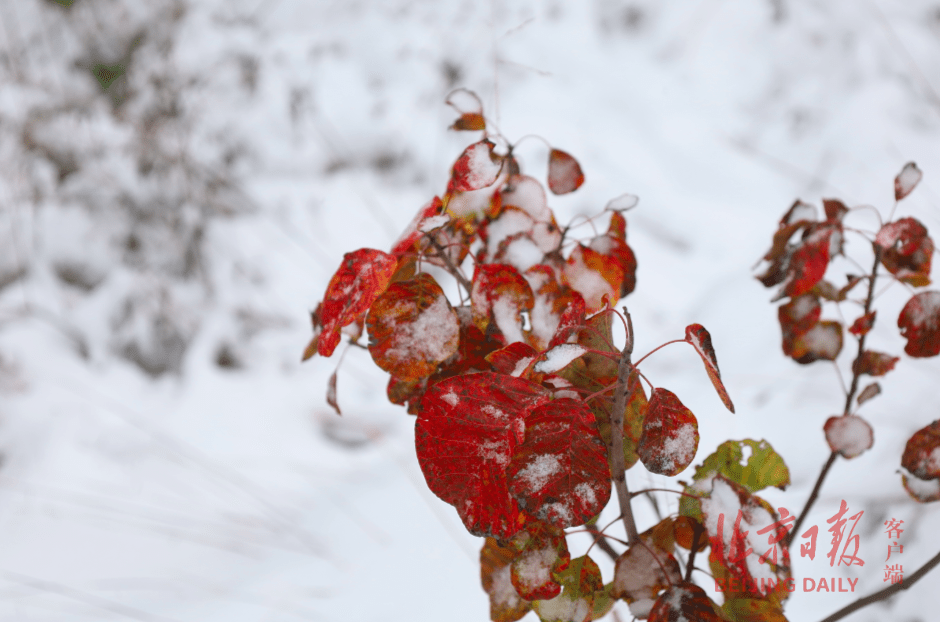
(849, 435)
(553, 302)
(559, 474)
(528, 195)
(763, 467)
(920, 324)
(642, 572)
(619, 263)
(564, 172)
(476, 168)
(862, 325)
(412, 328)
(906, 251)
(496, 576)
(696, 335)
(685, 602)
(406, 243)
(922, 490)
(868, 393)
(593, 275)
(467, 431)
(622, 203)
(922, 453)
(906, 180)
(360, 279)
(582, 585)
(543, 552)
(559, 357)
(874, 363)
(822, 342)
(499, 296)
(513, 360)
(670, 434)
(571, 319)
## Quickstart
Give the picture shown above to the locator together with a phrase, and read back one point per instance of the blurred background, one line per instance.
(180, 178)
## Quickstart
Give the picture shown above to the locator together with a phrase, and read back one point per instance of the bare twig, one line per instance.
(615, 446)
(601, 541)
(467, 285)
(886, 593)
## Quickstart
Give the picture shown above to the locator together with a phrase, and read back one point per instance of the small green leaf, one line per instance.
(106, 74)
(764, 467)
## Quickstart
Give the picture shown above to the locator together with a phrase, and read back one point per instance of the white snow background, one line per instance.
(165, 454)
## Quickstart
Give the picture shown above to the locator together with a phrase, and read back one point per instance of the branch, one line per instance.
(850, 394)
(887, 592)
(467, 285)
(601, 541)
(618, 467)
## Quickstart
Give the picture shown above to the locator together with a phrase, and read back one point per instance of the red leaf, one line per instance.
(622, 272)
(594, 276)
(571, 319)
(849, 435)
(809, 261)
(560, 473)
(685, 601)
(670, 434)
(466, 433)
(906, 250)
(822, 342)
(495, 574)
(361, 278)
(862, 325)
(406, 243)
(797, 317)
(835, 209)
(874, 363)
(331, 394)
(469, 121)
(906, 180)
(476, 168)
(412, 328)
(696, 335)
(513, 360)
(868, 393)
(564, 172)
(920, 324)
(499, 296)
(543, 553)
(921, 458)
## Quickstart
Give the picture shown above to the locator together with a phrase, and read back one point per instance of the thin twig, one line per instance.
(886, 593)
(601, 541)
(812, 497)
(615, 447)
(467, 285)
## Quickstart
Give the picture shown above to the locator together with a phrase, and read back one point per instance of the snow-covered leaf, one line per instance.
(874, 363)
(466, 434)
(559, 357)
(685, 602)
(906, 251)
(642, 572)
(476, 168)
(762, 468)
(906, 180)
(543, 552)
(499, 296)
(513, 360)
(670, 434)
(559, 474)
(360, 279)
(622, 203)
(919, 322)
(564, 172)
(849, 435)
(496, 576)
(582, 585)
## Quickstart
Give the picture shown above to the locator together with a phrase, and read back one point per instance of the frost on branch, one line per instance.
(921, 459)
(412, 328)
(906, 180)
(559, 474)
(696, 335)
(906, 251)
(670, 434)
(361, 278)
(920, 324)
(467, 431)
(849, 435)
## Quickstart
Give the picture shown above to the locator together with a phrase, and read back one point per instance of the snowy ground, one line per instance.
(165, 454)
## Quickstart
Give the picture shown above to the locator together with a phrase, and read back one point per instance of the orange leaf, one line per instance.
(696, 335)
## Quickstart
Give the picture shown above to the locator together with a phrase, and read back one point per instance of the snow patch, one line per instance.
(559, 357)
(538, 472)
